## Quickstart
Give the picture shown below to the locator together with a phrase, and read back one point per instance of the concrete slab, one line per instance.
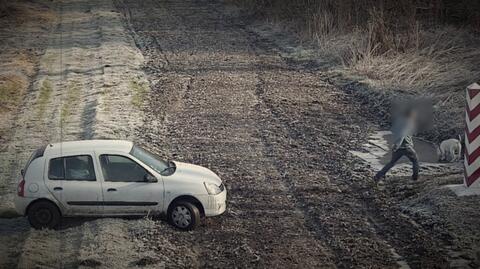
(461, 190)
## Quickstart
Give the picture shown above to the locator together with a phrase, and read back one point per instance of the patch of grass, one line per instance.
(140, 90)
(73, 93)
(46, 90)
(12, 90)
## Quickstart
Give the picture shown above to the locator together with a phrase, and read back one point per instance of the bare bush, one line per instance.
(393, 24)
(3, 8)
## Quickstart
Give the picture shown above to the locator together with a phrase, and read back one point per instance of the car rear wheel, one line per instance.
(43, 214)
(184, 215)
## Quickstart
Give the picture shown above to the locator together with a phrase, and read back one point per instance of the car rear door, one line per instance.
(72, 180)
(126, 189)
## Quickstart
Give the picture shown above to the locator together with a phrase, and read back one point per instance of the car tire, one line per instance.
(43, 214)
(184, 215)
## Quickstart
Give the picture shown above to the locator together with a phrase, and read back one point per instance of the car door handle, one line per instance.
(57, 188)
(111, 189)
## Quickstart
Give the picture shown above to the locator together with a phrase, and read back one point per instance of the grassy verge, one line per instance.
(46, 90)
(12, 89)
(140, 91)
(73, 93)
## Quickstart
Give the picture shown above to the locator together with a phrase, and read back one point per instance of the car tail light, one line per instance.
(21, 188)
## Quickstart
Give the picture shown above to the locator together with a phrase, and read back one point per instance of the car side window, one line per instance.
(75, 168)
(117, 168)
(56, 170)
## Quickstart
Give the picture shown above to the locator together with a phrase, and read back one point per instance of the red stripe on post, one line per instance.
(472, 114)
(472, 93)
(471, 136)
(472, 178)
(472, 156)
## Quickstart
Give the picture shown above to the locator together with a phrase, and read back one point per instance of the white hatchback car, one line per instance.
(114, 178)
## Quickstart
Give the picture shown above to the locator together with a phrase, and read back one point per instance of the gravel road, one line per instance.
(221, 94)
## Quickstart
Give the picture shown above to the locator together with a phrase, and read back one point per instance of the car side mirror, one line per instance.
(150, 178)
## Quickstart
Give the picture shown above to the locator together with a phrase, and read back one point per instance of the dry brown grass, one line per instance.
(20, 21)
(327, 16)
(12, 89)
(430, 46)
(444, 60)
(20, 61)
(15, 12)
(15, 69)
(18, 65)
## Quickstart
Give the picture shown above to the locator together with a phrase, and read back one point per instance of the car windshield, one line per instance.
(153, 161)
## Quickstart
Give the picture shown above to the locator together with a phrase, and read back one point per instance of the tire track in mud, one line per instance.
(305, 188)
(389, 228)
(267, 142)
(360, 232)
(261, 217)
(383, 214)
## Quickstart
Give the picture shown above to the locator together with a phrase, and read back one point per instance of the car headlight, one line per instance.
(212, 188)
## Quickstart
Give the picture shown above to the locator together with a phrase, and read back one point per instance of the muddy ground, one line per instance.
(198, 81)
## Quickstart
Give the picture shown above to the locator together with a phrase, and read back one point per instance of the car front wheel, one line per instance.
(184, 215)
(43, 214)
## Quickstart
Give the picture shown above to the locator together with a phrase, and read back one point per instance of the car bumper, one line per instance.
(216, 204)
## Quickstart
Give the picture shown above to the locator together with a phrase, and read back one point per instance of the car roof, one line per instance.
(88, 145)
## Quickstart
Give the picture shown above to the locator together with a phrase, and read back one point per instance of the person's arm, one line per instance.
(399, 131)
(397, 142)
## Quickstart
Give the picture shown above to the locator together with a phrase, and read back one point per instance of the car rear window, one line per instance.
(79, 168)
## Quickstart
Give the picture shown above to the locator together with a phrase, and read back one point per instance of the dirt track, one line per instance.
(278, 134)
(276, 131)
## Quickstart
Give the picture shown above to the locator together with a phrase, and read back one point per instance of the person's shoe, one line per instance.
(381, 184)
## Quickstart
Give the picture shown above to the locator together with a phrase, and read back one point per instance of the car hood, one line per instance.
(194, 173)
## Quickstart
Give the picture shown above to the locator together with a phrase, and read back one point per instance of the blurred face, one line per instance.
(413, 114)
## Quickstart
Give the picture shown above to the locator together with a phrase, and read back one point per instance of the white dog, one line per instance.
(451, 150)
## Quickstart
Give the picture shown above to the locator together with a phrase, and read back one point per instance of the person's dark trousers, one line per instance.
(396, 155)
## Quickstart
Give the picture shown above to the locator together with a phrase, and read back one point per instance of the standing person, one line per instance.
(402, 131)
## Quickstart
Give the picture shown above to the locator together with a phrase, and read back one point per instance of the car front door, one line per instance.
(128, 187)
(72, 180)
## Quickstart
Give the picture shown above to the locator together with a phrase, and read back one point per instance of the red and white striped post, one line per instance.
(471, 162)
(472, 142)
